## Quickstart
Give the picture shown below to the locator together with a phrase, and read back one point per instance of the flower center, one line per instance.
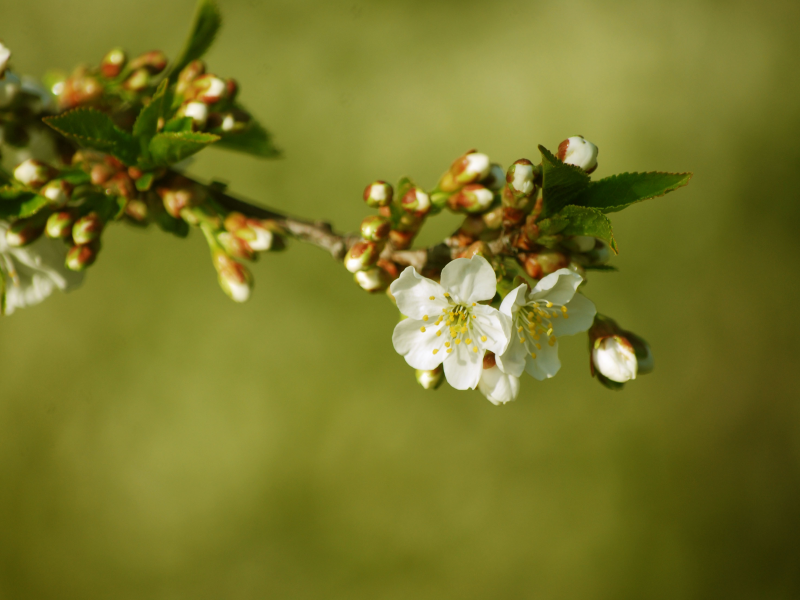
(456, 324)
(535, 320)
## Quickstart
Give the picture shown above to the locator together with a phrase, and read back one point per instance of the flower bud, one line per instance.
(59, 225)
(263, 239)
(113, 63)
(374, 279)
(137, 81)
(378, 194)
(471, 167)
(137, 210)
(5, 56)
(494, 218)
(361, 255)
(476, 248)
(197, 112)
(79, 89)
(33, 173)
(520, 178)
(57, 192)
(416, 200)
(188, 74)
(153, 62)
(25, 231)
(401, 240)
(80, 257)
(235, 246)
(180, 194)
(100, 173)
(234, 278)
(473, 198)
(430, 380)
(208, 89)
(121, 184)
(375, 228)
(537, 265)
(614, 358)
(87, 229)
(578, 152)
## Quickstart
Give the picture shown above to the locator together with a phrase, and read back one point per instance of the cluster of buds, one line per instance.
(616, 355)
(363, 257)
(209, 100)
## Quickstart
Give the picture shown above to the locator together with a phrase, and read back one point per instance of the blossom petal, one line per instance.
(413, 293)
(513, 300)
(417, 347)
(493, 324)
(498, 387)
(513, 360)
(463, 367)
(581, 313)
(470, 279)
(558, 287)
(546, 364)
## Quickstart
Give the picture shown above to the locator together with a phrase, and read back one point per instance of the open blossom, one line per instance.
(539, 317)
(446, 324)
(498, 387)
(32, 273)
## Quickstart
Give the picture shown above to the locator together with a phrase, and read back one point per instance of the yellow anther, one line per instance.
(435, 350)
(468, 341)
(458, 342)
(463, 330)
(424, 317)
(519, 328)
(533, 354)
(563, 308)
(438, 333)
(521, 340)
(446, 295)
(483, 338)
(474, 317)
(566, 316)
(530, 316)
(444, 310)
(452, 318)
(447, 344)
(549, 304)
(474, 304)
(550, 331)
(453, 334)
(449, 350)
(422, 329)
(433, 298)
(474, 348)
(538, 346)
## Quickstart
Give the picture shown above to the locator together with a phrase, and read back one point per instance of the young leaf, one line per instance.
(19, 203)
(178, 124)
(168, 148)
(254, 140)
(146, 125)
(207, 22)
(92, 128)
(589, 222)
(620, 191)
(561, 183)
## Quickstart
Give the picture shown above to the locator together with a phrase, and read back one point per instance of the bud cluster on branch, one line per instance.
(107, 144)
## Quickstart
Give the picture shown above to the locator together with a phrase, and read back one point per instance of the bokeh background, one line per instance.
(159, 441)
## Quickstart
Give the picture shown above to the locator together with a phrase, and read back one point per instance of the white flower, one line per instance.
(498, 387)
(539, 318)
(578, 152)
(615, 359)
(33, 272)
(446, 324)
(198, 112)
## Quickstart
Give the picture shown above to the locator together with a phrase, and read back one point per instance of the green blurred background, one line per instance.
(159, 441)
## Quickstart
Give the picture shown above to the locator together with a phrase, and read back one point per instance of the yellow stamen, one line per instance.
(422, 329)
(530, 316)
(435, 350)
(533, 354)
(424, 317)
(447, 344)
(521, 340)
(433, 297)
(519, 328)
(463, 330)
(438, 333)
(538, 346)
(551, 341)
(453, 334)
(474, 348)
(446, 295)
(563, 309)
(474, 317)
(468, 341)
(549, 304)
(474, 304)
(458, 342)
(449, 350)
(483, 338)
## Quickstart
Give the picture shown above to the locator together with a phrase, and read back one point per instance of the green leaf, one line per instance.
(144, 182)
(207, 22)
(178, 124)
(168, 148)
(170, 224)
(254, 140)
(620, 191)
(146, 125)
(92, 128)
(74, 176)
(18, 202)
(606, 268)
(590, 222)
(561, 183)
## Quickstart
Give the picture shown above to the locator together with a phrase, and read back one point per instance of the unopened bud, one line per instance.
(401, 240)
(378, 194)
(361, 255)
(208, 89)
(375, 228)
(264, 238)
(416, 200)
(188, 74)
(80, 257)
(197, 112)
(537, 265)
(79, 89)
(113, 63)
(153, 62)
(494, 218)
(430, 380)
(121, 184)
(25, 231)
(59, 225)
(137, 81)
(617, 356)
(520, 178)
(235, 245)
(234, 278)
(137, 210)
(471, 167)
(100, 173)
(5, 56)
(57, 192)
(87, 229)
(373, 280)
(33, 173)
(578, 152)
(472, 198)
(179, 195)
(476, 248)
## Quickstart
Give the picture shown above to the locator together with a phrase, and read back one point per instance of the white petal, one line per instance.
(615, 359)
(514, 359)
(513, 300)
(463, 367)
(470, 279)
(581, 313)
(558, 287)
(493, 324)
(413, 293)
(498, 387)
(417, 347)
(546, 364)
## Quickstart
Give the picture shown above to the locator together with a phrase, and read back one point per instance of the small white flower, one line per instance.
(498, 387)
(552, 309)
(615, 359)
(198, 112)
(578, 152)
(33, 272)
(476, 166)
(445, 323)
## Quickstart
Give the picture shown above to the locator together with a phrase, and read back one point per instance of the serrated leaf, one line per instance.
(590, 222)
(146, 125)
(207, 22)
(169, 148)
(94, 129)
(620, 191)
(561, 183)
(553, 225)
(255, 140)
(178, 124)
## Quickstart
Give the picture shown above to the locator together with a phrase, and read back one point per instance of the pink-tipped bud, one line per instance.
(416, 200)
(137, 81)
(113, 63)
(26, 231)
(537, 265)
(373, 280)
(378, 194)
(235, 245)
(180, 194)
(472, 198)
(578, 152)
(197, 112)
(469, 168)
(58, 192)
(33, 173)
(59, 225)
(121, 184)
(79, 89)
(87, 229)
(234, 278)
(361, 255)
(189, 73)
(137, 210)
(153, 62)
(101, 173)
(208, 89)
(520, 178)
(376, 228)
(5, 56)
(81, 257)
(430, 380)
